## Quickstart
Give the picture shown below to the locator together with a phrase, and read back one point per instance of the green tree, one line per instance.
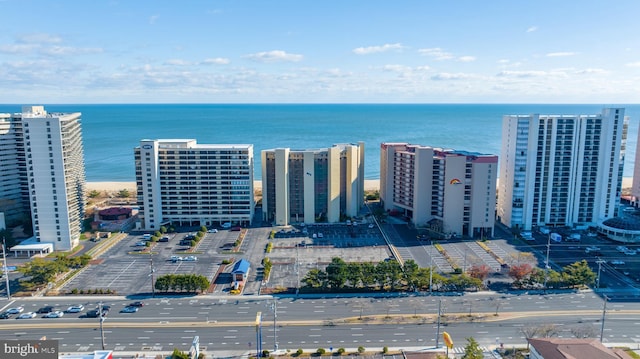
(411, 271)
(472, 350)
(163, 229)
(354, 274)
(315, 278)
(124, 193)
(337, 273)
(179, 355)
(94, 194)
(578, 274)
(368, 272)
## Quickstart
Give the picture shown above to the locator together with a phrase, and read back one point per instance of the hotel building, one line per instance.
(451, 192)
(43, 170)
(183, 183)
(314, 185)
(561, 170)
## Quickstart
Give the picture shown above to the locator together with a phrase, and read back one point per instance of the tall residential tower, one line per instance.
(561, 170)
(184, 183)
(314, 185)
(450, 192)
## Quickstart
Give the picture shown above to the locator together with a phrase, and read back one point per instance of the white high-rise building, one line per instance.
(451, 192)
(561, 170)
(184, 183)
(313, 185)
(14, 197)
(54, 159)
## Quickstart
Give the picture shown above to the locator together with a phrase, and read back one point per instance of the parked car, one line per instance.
(141, 244)
(191, 259)
(75, 308)
(28, 315)
(371, 225)
(175, 259)
(235, 229)
(45, 310)
(56, 314)
(129, 309)
(213, 230)
(16, 310)
(164, 239)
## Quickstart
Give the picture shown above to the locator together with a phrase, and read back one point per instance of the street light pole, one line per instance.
(546, 263)
(599, 261)
(431, 267)
(101, 318)
(153, 288)
(275, 325)
(4, 268)
(438, 326)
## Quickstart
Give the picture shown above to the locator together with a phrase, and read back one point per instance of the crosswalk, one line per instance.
(460, 350)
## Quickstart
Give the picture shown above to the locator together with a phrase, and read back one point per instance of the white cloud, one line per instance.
(503, 61)
(69, 50)
(451, 76)
(561, 54)
(178, 62)
(216, 61)
(377, 49)
(592, 71)
(17, 48)
(531, 73)
(633, 64)
(467, 58)
(38, 38)
(153, 19)
(532, 29)
(436, 53)
(274, 56)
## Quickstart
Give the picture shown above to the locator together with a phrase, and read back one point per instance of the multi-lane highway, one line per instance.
(224, 323)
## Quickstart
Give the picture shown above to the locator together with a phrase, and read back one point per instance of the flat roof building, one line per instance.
(450, 192)
(313, 185)
(42, 171)
(188, 184)
(561, 170)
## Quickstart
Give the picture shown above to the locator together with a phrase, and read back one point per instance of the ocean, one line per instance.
(111, 131)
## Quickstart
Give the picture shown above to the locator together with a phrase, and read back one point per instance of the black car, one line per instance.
(45, 310)
(136, 304)
(5, 315)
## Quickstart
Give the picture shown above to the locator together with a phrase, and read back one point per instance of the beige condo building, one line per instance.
(450, 192)
(313, 185)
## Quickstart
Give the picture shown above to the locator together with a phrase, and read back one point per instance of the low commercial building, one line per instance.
(450, 192)
(184, 183)
(567, 348)
(313, 185)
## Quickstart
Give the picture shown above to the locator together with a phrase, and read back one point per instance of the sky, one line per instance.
(323, 51)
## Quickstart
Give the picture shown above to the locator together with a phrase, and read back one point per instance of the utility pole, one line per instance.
(4, 268)
(101, 318)
(604, 312)
(438, 326)
(599, 261)
(258, 334)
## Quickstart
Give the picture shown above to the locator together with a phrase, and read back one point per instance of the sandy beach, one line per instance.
(114, 187)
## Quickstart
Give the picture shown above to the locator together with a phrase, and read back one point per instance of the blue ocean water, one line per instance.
(111, 131)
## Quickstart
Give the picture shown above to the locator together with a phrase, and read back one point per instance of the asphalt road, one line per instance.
(226, 324)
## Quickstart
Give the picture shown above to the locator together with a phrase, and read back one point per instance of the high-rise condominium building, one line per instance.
(184, 183)
(561, 170)
(635, 188)
(315, 185)
(450, 192)
(14, 195)
(49, 163)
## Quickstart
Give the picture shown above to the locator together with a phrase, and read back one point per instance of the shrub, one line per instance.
(361, 349)
(320, 351)
(341, 351)
(385, 350)
(299, 352)
(265, 353)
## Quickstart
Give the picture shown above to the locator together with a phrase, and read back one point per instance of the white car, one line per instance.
(27, 315)
(622, 249)
(75, 308)
(320, 235)
(630, 252)
(56, 314)
(16, 310)
(212, 231)
(617, 262)
(371, 225)
(191, 259)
